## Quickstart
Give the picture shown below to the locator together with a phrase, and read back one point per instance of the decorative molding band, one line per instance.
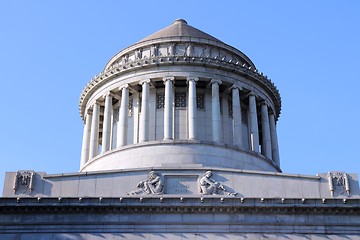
(180, 204)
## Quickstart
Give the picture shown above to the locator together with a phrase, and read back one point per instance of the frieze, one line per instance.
(181, 49)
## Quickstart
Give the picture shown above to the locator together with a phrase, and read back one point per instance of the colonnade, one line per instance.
(269, 144)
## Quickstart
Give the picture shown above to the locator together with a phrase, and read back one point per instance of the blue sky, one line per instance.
(49, 50)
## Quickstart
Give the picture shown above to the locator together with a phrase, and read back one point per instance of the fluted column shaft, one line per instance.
(94, 135)
(107, 123)
(215, 111)
(266, 139)
(237, 122)
(168, 108)
(274, 140)
(144, 115)
(254, 129)
(123, 117)
(86, 139)
(192, 111)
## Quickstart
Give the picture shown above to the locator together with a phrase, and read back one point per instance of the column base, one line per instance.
(168, 139)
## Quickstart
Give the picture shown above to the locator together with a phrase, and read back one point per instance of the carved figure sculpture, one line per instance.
(209, 186)
(152, 185)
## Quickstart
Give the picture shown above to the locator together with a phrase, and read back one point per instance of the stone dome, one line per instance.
(180, 98)
(181, 32)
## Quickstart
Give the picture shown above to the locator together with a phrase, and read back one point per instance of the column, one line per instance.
(94, 135)
(237, 122)
(274, 141)
(107, 123)
(254, 130)
(136, 109)
(266, 139)
(123, 117)
(144, 115)
(168, 109)
(192, 114)
(215, 111)
(86, 139)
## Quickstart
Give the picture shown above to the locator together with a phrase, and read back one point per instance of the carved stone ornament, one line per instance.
(338, 183)
(125, 59)
(138, 53)
(154, 50)
(209, 186)
(152, 185)
(24, 181)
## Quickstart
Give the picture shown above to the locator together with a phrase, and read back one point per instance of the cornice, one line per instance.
(180, 204)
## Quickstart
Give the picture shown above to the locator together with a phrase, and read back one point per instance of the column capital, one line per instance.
(272, 112)
(188, 79)
(145, 81)
(263, 102)
(236, 85)
(89, 111)
(213, 81)
(168, 78)
(97, 101)
(108, 94)
(124, 86)
(251, 94)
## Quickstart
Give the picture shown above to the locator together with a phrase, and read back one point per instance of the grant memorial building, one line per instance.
(180, 142)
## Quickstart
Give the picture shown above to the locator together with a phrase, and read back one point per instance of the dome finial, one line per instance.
(179, 20)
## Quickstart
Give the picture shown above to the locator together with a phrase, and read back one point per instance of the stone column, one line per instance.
(94, 135)
(168, 109)
(86, 139)
(107, 123)
(144, 115)
(215, 111)
(266, 139)
(192, 114)
(254, 130)
(123, 117)
(274, 141)
(136, 116)
(237, 122)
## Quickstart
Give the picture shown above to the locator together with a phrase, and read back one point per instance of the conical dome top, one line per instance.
(179, 28)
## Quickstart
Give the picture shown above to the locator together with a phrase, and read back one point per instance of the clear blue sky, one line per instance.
(49, 50)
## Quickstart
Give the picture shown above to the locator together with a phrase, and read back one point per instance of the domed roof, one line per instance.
(179, 28)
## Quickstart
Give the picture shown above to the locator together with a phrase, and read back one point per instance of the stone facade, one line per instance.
(180, 142)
